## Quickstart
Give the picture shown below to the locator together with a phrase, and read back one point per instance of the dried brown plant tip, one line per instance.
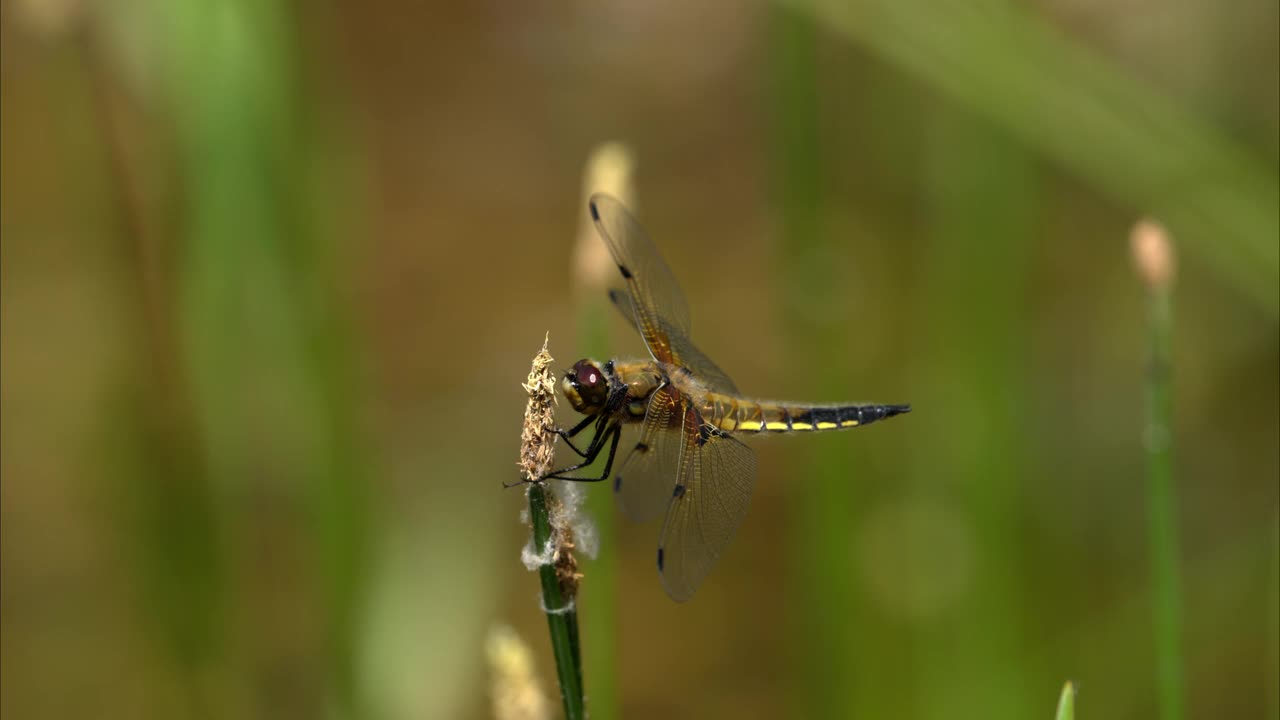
(538, 439)
(537, 451)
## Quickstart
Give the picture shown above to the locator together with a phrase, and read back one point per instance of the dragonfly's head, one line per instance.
(586, 386)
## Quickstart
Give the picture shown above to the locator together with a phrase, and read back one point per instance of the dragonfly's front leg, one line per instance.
(590, 456)
(567, 434)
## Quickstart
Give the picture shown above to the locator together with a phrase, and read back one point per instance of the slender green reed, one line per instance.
(600, 620)
(824, 620)
(264, 334)
(1154, 260)
(983, 193)
(170, 514)
(562, 622)
(608, 169)
(1066, 703)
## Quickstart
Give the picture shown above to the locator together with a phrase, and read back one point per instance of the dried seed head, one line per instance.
(538, 439)
(1153, 255)
(537, 451)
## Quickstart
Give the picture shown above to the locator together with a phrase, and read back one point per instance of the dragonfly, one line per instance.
(688, 458)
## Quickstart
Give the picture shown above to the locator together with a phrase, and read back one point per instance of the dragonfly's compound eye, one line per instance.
(586, 386)
(588, 374)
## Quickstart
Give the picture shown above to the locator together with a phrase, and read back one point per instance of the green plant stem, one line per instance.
(602, 618)
(1067, 703)
(171, 510)
(983, 194)
(1162, 507)
(562, 625)
(826, 682)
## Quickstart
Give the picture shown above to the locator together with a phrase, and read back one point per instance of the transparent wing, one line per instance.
(644, 480)
(657, 302)
(708, 504)
(683, 351)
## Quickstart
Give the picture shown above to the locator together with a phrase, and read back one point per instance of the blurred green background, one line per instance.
(272, 273)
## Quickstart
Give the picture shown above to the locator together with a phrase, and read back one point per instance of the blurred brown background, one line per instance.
(272, 274)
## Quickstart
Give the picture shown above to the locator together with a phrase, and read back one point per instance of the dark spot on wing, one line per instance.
(642, 447)
(678, 492)
(595, 214)
(625, 272)
(659, 559)
(705, 433)
(617, 483)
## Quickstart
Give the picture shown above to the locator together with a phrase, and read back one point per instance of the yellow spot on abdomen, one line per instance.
(826, 426)
(848, 423)
(801, 426)
(749, 425)
(775, 425)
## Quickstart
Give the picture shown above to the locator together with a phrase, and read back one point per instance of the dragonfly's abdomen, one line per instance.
(751, 416)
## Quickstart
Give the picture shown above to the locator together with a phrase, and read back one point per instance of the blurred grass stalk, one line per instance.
(263, 330)
(825, 619)
(609, 169)
(168, 514)
(1089, 117)
(983, 190)
(983, 202)
(1154, 260)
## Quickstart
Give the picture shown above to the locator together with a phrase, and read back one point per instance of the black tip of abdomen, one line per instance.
(880, 412)
(867, 414)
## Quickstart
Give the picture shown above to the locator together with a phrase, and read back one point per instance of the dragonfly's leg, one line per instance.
(589, 455)
(592, 452)
(616, 432)
(566, 434)
(577, 428)
(617, 398)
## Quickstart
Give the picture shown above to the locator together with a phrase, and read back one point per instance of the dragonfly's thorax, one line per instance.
(641, 378)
